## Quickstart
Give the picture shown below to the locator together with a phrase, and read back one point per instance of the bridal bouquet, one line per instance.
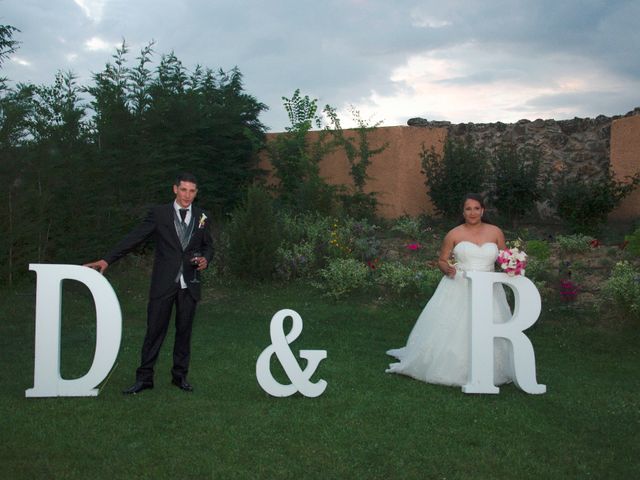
(513, 261)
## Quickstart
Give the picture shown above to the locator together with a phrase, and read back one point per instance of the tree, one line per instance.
(460, 170)
(113, 121)
(82, 181)
(7, 46)
(254, 236)
(295, 158)
(515, 182)
(585, 204)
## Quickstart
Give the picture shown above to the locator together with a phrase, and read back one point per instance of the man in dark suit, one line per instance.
(183, 246)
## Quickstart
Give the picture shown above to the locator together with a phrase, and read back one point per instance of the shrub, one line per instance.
(585, 204)
(295, 157)
(408, 226)
(576, 243)
(359, 204)
(311, 240)
(460, 170)
(395, 277)
(313, 195)
(254, 236)
(353, 238)
(413, 280)
(537, 269)
(515, 182)
(622, 289)
(539, 272)
(296, 261)
(538, 249)
(342, 276)
(568, 290)
(310, 229)
(633, 243)
(365, 244)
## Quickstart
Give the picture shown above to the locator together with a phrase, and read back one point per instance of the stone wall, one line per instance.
(582, 147)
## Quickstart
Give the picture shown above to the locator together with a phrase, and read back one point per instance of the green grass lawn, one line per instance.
(367, 424)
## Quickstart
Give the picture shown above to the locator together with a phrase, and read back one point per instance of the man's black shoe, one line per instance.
(182, 384)
(137, 387)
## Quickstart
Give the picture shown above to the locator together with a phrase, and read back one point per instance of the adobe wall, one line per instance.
(582, 147)
(395, 174)
(625, 161)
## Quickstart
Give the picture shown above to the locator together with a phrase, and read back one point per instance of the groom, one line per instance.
(183, 245)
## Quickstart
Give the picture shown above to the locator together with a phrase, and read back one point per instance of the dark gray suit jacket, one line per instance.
(159, 227)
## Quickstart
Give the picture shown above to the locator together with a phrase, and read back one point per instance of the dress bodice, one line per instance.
(472, 257)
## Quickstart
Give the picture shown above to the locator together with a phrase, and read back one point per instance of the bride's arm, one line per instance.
(502, 244)
(445, 253)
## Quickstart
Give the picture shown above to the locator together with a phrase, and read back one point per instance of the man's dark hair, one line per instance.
(185, 177)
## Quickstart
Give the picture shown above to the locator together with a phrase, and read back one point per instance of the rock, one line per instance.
(418, 122)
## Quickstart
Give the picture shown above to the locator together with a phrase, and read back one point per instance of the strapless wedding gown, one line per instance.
(438, 348)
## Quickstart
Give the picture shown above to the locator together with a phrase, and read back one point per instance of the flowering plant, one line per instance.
(203, 217)
(372, 264)
(513, 261)
(568, 290)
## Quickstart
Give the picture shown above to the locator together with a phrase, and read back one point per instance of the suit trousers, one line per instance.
(158, 317)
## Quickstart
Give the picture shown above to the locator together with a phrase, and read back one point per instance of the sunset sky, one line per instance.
(462, 61)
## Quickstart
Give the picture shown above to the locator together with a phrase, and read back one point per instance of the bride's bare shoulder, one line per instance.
(457, 230)
(496, 235)
(493, 228)
(455, 233)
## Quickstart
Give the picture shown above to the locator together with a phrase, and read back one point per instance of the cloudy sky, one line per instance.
(456, 60)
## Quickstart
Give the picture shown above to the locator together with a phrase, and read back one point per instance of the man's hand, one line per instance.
(202, 263)
(100, 265)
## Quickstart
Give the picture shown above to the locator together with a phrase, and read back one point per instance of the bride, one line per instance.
(438, 348)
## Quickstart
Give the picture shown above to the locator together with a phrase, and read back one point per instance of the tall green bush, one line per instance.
(254, 236)
(295, 158)
(515, 182)
(461, 169)
(585, 204)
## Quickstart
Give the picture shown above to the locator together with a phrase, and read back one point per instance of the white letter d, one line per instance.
(46, 375)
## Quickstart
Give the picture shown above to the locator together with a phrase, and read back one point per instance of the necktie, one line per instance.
(183, 214)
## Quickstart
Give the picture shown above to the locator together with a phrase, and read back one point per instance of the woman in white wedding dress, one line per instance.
(438, 348)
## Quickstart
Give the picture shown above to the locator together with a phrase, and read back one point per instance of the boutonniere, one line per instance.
(203, 217)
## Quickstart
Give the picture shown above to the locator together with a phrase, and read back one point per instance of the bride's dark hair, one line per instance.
(478, 198)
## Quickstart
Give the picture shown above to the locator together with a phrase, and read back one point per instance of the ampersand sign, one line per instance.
(280, 346)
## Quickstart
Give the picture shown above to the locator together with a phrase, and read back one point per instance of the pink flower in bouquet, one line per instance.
(512, 261)
(414, 246)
